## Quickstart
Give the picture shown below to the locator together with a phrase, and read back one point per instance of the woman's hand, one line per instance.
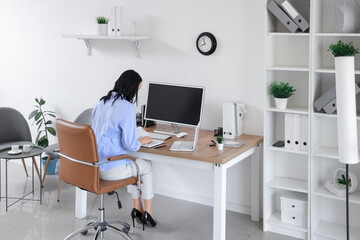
(145, 140)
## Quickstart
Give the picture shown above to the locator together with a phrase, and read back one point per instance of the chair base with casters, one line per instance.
(100, 225)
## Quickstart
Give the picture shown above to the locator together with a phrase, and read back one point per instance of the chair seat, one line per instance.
(109, 186)
(9, 144)
(49, 150)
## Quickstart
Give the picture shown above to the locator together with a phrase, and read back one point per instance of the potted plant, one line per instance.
(102, 25)
(220, 142)
(41, 120)
(281, 92)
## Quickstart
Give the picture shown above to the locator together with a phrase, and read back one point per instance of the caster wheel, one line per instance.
(84, 233)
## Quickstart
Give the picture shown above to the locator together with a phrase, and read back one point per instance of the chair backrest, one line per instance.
(13, 126)
(84, 117)
(78, 141)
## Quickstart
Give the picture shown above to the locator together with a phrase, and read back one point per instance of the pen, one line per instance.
(159, 146)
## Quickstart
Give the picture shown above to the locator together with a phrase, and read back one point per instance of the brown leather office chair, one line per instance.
(80, 167)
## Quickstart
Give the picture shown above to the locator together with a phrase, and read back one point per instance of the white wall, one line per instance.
(36, 61)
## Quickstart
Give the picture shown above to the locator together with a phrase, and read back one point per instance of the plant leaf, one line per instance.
(39, 127)
(49, 112)
(42, 101)
(37, 100)
(51, 130)
(32, 114)
(48, 122)
(44, 142)
(39, 121)
(37, 136)
(37, 116)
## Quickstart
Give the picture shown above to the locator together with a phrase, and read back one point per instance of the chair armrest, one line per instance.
(123, 156)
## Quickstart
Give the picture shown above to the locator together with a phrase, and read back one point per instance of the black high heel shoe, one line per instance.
(136, 214)
(148, 220)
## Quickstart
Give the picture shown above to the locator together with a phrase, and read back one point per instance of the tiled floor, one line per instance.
(177, 219)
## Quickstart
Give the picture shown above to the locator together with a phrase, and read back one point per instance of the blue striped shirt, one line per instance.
(115, 129)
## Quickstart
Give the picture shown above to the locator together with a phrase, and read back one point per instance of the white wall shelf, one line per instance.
(337, 34)
(329, 230)
(289, 184)
(132, 38)
(325, 115)
(327, 152)
(331, 70)
(322, 192)
(275, 219)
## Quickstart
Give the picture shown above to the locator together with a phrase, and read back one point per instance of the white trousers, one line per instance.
(129, 170)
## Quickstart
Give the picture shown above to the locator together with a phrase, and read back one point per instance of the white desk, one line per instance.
(205, 157)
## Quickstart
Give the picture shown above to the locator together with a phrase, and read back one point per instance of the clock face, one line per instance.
(206, 43)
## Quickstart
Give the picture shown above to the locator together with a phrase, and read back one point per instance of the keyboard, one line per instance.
(158, 136)
(182, 146)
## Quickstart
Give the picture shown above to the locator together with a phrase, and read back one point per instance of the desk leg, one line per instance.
(80, 203)
(255, 184)
(219, 222)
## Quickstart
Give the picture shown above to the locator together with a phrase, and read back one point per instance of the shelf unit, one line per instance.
(302, 60)
(88, 38)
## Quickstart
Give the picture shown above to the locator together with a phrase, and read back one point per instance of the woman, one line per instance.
(114, 124)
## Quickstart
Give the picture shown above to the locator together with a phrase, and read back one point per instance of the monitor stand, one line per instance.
(173, 132)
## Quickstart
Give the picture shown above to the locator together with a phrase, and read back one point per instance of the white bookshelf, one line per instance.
(303, 60)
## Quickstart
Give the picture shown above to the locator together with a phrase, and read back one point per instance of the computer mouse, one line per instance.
(181, 134)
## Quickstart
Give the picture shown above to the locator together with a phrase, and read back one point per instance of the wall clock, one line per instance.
(206, 43)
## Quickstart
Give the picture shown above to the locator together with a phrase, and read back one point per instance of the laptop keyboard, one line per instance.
(182, 145)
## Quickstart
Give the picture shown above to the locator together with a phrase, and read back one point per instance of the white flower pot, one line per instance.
(346, 110)
(220, 146)
(280, 103)
(103, 29)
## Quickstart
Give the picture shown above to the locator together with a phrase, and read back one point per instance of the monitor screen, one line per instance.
(174, 104)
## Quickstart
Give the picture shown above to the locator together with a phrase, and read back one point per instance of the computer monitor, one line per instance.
(175, 104)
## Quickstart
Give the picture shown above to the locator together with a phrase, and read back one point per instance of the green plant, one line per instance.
(341, 49)
(342, 180)
(220, 139)
(281, 90)
(102, 20)
(44, 125)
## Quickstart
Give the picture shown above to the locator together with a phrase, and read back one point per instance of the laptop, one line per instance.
(142, 133)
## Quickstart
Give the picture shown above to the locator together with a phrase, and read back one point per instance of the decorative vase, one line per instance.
(220, 146)
(281, 103)
(354, 182)
(346, 110)
(52, 165)
(103, 29)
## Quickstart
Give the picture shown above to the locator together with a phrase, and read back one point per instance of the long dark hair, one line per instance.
(126, 87)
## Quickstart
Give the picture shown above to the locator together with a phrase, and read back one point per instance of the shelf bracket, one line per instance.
(87, 43)
(137, 46)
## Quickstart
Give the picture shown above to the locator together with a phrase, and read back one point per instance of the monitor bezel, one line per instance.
(177, 85)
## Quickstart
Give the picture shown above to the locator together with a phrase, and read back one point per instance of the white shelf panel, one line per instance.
(327, 152)
(288, 68)
(127, 37)
(275, 219)
(293, 109)
(331, 70)
(322, 192)
(337, 34)
(335, 231)
(283, 149)
(287, 34)
(325, 115)
(290, 184)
